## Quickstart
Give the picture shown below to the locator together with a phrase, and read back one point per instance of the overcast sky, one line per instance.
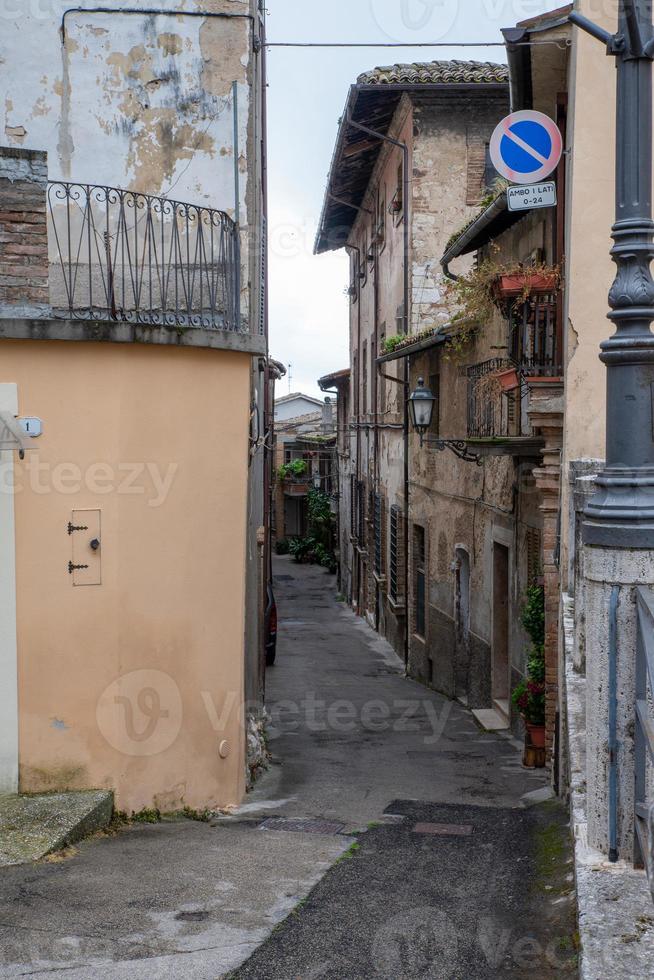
(307, 92)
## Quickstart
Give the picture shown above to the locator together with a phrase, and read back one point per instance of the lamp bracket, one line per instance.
(457, 446)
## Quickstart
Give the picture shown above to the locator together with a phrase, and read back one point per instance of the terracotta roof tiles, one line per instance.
(437, 72)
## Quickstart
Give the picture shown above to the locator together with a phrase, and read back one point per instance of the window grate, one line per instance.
(394, 564)
(378, 525)
(420, 578)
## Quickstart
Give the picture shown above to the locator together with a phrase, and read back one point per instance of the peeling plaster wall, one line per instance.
(145, 103)
(133, 101)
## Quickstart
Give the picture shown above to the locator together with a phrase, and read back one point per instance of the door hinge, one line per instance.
(74, 568)
(72, 527)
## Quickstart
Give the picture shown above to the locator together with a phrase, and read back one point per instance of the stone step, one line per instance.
(491, 719)
(32, 826)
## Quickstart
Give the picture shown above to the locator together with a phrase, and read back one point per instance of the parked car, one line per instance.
(271, 627)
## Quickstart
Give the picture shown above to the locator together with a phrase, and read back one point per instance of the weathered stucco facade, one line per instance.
(140, 558)
(444, 114)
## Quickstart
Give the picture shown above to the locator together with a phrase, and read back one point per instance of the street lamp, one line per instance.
(421, 407)
(421, 413)
(621, 512)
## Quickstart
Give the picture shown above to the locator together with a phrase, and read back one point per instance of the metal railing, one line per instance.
(491, 412)
(644, 734)
(533, 345)
(125, 256)
(533, 335)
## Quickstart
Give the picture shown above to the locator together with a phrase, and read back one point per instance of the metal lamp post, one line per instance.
(621, 512)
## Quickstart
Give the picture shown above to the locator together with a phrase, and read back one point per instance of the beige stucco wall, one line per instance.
(171, 602)
(590, 272)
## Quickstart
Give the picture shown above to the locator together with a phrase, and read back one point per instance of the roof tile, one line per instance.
(437, 72)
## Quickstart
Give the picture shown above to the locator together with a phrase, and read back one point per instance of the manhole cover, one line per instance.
(299, 826)
(283, 578)
(198, 916)
(443, 829)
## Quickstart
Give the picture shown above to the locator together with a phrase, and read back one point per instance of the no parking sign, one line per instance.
(526, 147)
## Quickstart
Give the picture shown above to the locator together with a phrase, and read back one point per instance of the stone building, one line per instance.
(133, 324)
(410, 167)
(307, 442)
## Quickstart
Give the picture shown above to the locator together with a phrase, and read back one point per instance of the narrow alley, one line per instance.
(440, 864)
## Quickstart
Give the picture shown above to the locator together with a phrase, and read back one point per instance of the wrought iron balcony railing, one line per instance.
(492, 413)
(125, 256)
(534, 336)
(497, 405)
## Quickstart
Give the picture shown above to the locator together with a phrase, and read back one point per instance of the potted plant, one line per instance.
(526, 281)
(508, 379)
(529, 699)
(295, 469)
(529, 696)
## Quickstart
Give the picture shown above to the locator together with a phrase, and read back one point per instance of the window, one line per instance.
(478, 167)
(420, 582)
(490, 173)
(381, 380)
(363, 264)
(381, 221)
(378, 533)
(397, 204)
(361, 514)
(353, 506)
(534, 551)
(364, 381)
(435, 387)
(395, 555)
(462, 596)
(355, 281)
(399, 320)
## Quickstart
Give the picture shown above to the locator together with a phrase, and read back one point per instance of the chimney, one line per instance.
(327, 426)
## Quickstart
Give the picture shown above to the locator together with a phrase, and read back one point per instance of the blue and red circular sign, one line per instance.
(526, 147)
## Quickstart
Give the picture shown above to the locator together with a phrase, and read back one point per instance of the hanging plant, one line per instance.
(296, 468)
(486, 288)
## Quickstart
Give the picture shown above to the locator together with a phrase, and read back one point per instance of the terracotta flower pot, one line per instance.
(508, 286)
(508, 379)
(536, 734)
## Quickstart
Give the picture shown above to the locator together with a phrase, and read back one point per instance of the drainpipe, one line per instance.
(356, 387)
(237, 206)
(406, 189)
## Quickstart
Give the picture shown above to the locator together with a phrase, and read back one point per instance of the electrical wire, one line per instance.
(561, 43)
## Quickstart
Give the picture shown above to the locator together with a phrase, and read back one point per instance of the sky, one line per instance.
(306, 96)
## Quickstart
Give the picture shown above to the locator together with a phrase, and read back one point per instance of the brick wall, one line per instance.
(23, 228)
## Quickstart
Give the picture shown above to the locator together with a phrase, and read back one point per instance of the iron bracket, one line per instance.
(457, 446)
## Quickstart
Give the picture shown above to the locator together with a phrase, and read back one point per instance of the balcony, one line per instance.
(87, 262)
(117, 255)
(502, 391)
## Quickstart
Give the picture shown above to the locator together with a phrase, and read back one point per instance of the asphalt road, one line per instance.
(449, 892)
(350, 736)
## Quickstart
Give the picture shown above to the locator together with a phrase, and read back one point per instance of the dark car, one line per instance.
(271, 627)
